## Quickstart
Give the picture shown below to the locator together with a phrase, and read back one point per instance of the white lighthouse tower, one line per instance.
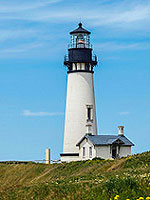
(80, 117)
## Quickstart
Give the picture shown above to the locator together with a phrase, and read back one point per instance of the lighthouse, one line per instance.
(80, 115)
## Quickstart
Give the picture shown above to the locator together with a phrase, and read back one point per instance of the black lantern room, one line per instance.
(80, 51)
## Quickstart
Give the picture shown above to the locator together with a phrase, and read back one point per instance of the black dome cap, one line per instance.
(80, 30)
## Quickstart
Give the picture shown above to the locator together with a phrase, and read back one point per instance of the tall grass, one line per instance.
(97, 179)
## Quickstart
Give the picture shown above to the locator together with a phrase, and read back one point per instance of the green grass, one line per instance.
(97, 179)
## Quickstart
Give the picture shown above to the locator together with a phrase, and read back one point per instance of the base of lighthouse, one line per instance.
(69, 157)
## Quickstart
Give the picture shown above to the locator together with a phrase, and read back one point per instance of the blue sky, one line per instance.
(33, 41)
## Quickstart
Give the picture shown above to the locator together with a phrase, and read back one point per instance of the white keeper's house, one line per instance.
(81, 141)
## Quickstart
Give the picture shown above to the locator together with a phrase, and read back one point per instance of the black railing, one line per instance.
(66, 59)
(29, 162)
(94, 58)
(80, 46)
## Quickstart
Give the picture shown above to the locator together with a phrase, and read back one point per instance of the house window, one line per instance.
(89, 113)
(83, 151)
(110, 149)
(90, 152)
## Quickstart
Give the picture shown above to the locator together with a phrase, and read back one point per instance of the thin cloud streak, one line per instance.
(9, 7)
(30, 50)
(111, 18)
(28, 113)
(123, 16)
(124, 113)
(15, 34)
(21, 48)
(112, 46)
(105, 15)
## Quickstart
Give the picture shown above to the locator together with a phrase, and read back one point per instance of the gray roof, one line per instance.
(107, 140)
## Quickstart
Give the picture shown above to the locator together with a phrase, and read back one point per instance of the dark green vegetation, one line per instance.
(91, 180)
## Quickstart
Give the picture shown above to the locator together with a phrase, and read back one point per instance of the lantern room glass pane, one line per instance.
(80, 40)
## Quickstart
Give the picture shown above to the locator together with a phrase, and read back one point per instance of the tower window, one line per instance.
(80, 66)
(90, 152)
(87, 67)
(83, 151)
(89, 113)
(89, 129)
(74, 66)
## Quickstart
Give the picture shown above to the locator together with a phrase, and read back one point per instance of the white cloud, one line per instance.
(38, 49)
(124, 113)
(122, 15)
(112, 46)
(111, 14)
(29, 113)
(21, 48)
(21, 51)
(7, 34)
(9, 6)
(108, 18)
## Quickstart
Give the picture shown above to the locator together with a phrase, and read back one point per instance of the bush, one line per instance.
(98, 158)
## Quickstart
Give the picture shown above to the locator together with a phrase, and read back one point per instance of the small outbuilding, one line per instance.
(104, 146)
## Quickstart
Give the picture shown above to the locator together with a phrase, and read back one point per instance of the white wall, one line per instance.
(87, 144)
(80, 92)
(125, 151)
(69, 158)
(103, 152)
(47, 156)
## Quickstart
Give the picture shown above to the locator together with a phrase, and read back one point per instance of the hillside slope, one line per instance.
(98, 179)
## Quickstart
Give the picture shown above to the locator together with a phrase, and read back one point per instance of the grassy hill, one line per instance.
(97, 179)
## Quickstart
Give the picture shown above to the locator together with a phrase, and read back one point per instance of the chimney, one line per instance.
(120, 130)
(47, 156)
